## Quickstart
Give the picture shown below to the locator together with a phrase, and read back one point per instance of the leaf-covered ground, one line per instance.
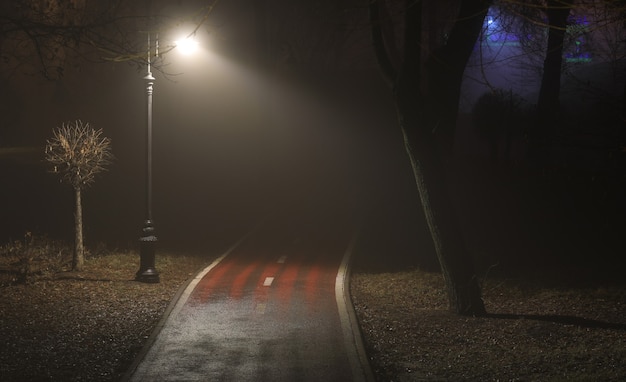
(85, 326)
(533, 333)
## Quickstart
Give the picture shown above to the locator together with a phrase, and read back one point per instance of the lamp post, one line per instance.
(147, 272)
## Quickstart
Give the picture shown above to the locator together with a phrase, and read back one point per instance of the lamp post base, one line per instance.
(147, 272)
(149, 276)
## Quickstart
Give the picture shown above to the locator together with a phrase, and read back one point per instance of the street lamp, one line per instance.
(147, 242)
(186, 45)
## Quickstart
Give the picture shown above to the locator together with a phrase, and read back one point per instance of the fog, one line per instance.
(231, 144)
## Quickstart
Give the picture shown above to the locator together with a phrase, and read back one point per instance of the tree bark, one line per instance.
(79, 250)
(464, 295)
(427, 112)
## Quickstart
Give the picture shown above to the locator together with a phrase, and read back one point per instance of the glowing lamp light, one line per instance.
(186, 46)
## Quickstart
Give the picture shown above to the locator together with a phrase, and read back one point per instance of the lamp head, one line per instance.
(186, 45)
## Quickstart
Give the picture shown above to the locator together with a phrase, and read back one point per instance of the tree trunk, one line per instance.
(464, 294)
(548, 103)
(427, 112)
(79, 250)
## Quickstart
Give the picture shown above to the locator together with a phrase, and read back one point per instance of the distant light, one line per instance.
(186, 45)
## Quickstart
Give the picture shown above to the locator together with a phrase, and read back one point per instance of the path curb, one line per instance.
(353, 340)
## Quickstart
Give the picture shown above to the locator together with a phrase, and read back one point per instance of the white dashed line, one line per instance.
(282, 259)
(268, 281)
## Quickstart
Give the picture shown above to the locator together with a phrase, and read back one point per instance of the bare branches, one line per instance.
(48, 36)
(78, 153)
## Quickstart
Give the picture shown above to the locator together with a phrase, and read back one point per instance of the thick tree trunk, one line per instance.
(464, 295)
(79, 250)
(427, 112)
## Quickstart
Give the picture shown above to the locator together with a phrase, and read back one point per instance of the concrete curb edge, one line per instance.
(359, 363)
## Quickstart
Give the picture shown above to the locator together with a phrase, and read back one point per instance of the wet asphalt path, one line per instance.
(271, 309)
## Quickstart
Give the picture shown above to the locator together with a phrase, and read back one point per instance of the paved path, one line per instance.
(273, 308)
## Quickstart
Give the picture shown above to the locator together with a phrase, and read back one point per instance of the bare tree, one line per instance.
(78, 153)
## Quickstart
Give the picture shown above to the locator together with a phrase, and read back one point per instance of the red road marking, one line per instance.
(287, 281)
(261, 291)
(312, 285)
(208, 283)
(302, 268)
(240, 281)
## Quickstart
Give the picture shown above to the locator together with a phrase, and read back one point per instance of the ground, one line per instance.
(85, 326)
(533, 332)
(89, 326)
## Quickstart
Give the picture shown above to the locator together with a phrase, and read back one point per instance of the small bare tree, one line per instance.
(78, 153)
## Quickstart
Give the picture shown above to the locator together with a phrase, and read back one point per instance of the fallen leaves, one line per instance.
(410, 336)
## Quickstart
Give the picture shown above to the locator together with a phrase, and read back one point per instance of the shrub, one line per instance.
(34, 256)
